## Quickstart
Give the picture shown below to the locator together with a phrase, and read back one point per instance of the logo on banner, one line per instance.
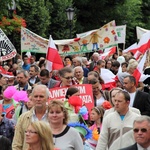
(7, 50)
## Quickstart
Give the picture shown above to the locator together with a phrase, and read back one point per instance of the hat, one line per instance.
(9, 92)
(121, 76)
(21, 96)
(121, 59)
(82, 129)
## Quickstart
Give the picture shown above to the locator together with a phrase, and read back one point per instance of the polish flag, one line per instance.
(137, 54)
(144, 43)
(53, 59)
(132, 48)
(109, 79)
(139, 70)
(108, 52)
(29, 56)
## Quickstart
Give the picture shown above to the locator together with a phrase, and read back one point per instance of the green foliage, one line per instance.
(59, 28)
(45, 17)
(146, 13)
(36, 15)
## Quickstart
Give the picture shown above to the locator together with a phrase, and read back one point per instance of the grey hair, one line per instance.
(96, 54)
(79, 59)
(84, 59)
(142, 119)
(41, 86)
(25, 73)
(78, 67)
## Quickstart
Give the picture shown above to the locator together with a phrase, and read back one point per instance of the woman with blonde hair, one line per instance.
(39, 136)
(64, 137)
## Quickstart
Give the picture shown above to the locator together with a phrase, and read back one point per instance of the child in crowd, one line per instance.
(96, 116)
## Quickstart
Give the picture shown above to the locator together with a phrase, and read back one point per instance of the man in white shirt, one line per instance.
(139, 99)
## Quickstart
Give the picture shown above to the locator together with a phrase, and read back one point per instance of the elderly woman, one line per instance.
(64, 137)
(131, 68)
(39, 136)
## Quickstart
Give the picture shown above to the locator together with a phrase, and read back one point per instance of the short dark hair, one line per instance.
(124, 63)
(36, 68)
(93, 81)
(64, 70)
(25, 56)
(69, 57)
(126, 95)
(100, 62)
(116, 64)
(131, 78)
(44, 72)
(71, 91)
(94, 73)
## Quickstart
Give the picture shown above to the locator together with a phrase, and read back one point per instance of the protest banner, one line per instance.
(121, 33)
(7, 49)
(31, 42)
(90, 41)
(85, 90)
(93, 40)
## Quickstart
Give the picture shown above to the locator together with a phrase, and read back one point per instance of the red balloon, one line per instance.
(75, 101)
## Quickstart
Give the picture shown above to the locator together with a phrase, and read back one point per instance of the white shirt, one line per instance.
(141, 148)
(100, 101)
(132, 96)
(44, 117)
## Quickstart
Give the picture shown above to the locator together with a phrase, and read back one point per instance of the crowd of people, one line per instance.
(118, 120)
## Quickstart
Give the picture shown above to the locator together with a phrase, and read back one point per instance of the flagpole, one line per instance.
(124, 46)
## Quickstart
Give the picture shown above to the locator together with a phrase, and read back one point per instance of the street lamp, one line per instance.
(70, 15)
(11, 8)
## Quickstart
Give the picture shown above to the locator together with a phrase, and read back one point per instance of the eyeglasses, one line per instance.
(30, 132)
(68, 78)
(144, 130)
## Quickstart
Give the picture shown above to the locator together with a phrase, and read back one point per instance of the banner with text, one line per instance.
(85, 90)
(7, 49)
(31, 42)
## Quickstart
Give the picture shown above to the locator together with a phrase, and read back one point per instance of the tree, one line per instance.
(36, 15)
(59, 28)
(146, 13)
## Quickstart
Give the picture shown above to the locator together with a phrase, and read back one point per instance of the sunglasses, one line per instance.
(144, 130)
(68, 78)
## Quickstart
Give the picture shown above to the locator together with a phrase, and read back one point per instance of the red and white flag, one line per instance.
(132, 48)
(108, 52)
(53, 59)
(109, 79)
(139, 70)
(137, 55)
(29, 56)
(144, 43)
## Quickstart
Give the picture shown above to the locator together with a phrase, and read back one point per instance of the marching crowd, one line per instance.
(118, 120)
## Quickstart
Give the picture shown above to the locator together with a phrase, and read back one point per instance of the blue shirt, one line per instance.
(7, 128)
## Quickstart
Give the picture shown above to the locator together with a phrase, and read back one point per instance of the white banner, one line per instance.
(7, 49)
(31, 42)
(140, 31)
(121, 33)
